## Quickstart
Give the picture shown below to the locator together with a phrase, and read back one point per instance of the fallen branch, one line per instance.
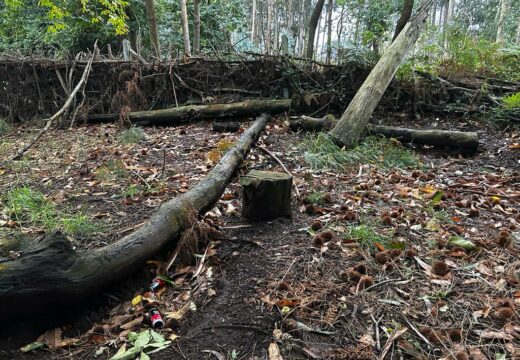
(51, 274)
(183, 114)
(456, 139)
(64, 108)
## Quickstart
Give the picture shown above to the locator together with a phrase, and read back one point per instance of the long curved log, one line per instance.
(50, 273)
(184, 114)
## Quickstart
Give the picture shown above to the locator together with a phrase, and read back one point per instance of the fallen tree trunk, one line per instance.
(50, 273)
(185, 114)
(457, 139)
(352, 124)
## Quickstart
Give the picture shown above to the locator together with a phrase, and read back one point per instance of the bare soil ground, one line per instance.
(365, 268)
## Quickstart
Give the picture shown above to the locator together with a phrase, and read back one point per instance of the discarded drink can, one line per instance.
(156, 318)
(156, 284)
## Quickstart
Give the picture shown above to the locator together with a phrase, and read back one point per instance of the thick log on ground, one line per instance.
(457, 139)
(308, 123)
(266, 195)
(352, 124)
(184, 114)
(50, 273)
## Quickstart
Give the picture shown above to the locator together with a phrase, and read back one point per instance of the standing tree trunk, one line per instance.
(518, 32)
(329, 31)
(185, 28)
(353, 123)
(196, 27)
(313, 23)
(317, 45)
(406, 13)
(253, 25)
(152, 24)
(505, 5)
(268, 37)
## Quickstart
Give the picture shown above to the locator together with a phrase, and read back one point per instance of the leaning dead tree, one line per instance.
(50, 273)
(353, 123)
(183, 114)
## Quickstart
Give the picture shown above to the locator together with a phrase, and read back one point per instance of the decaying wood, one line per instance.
(50, 273)
(456, 139)
(307, 123)
(275, 158)
(183, 114)
(266, 195)
(354, 120)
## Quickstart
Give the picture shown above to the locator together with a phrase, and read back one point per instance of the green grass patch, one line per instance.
(5, 127)
(130, 191)
(316, 197)
(30, 206)
(367, 237)
(134, 135)
(320, 152)
(112, 170)
(512, 101)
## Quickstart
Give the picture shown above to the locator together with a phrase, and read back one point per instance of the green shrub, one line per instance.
(512, 101)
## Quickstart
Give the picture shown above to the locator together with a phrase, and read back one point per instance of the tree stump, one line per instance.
(266, 195)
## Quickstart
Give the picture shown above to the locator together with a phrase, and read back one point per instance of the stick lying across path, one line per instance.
(184, 114)
(50, 273)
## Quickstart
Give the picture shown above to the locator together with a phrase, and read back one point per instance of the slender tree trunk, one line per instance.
(434, 12)
(340, 33)
(152, 24)
(505, 5)
(301, 28)
(329, 31)
(406, 12)
(518, 32)
(313, 23)
(353, 123)
(276, 31)
(185, 28)
(253, 25)
(318, 35)
(196, 27)
(268, 40)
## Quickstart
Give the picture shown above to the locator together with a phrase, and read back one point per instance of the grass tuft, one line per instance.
(5, 127)
(320, 152)
(367, 237)
(134, 135)
(512, 101)
(31, 206)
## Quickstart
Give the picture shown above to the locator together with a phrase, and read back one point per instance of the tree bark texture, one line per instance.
(152, 24)
(505, 5)
(51, 274)
(406, 13)
(185, 28)
(354, 120)
(196, 27)
(313, 24)
(329, 31)
(183, 114)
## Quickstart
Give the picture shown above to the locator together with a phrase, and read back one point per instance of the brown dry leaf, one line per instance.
(493, 335)
(52, 338)
(476, 354)
(287, 302)
(367, 340)
(129, 325)
(274, 352)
